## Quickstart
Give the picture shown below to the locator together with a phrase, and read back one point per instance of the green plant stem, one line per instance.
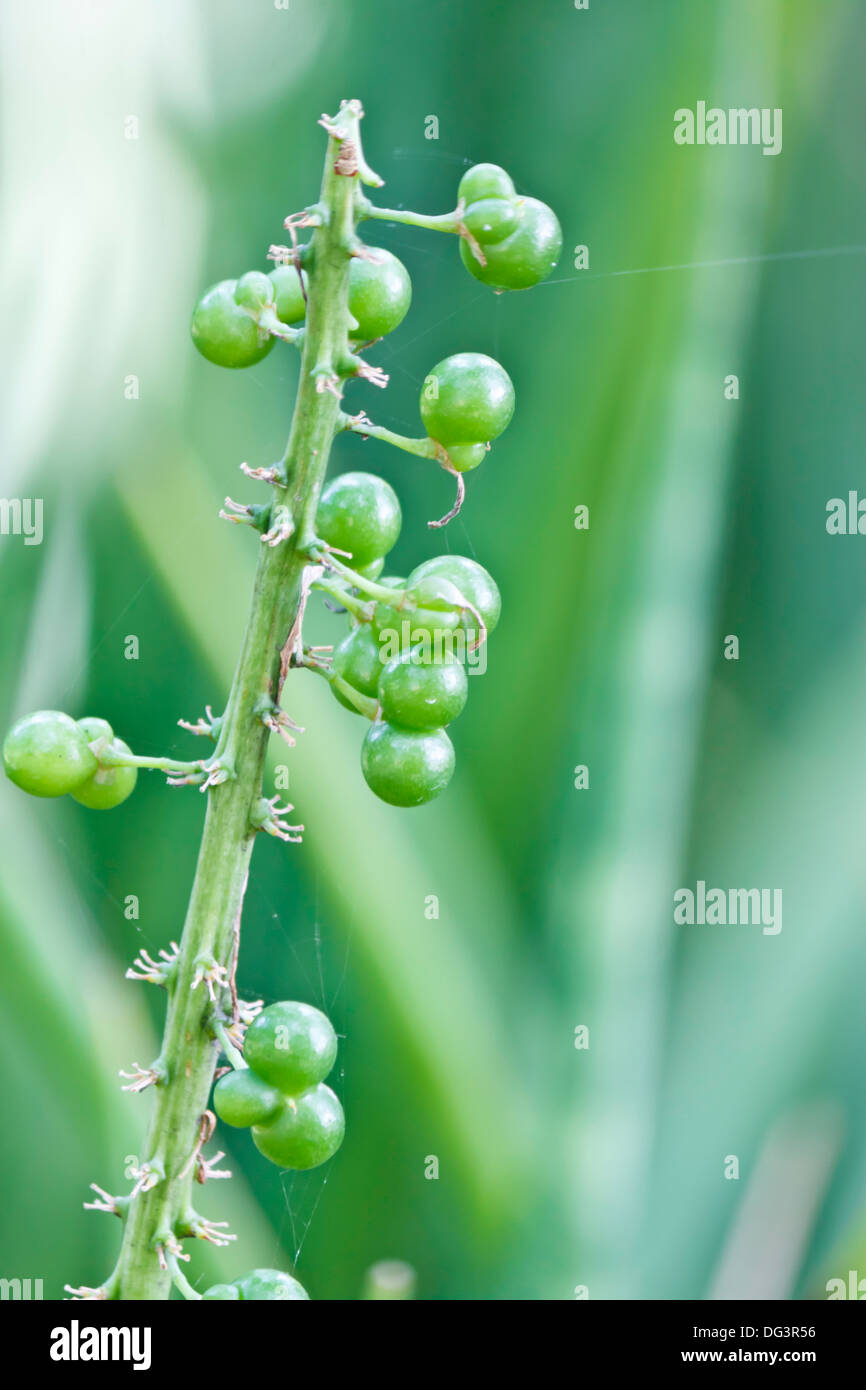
(441, 222)
(233, 1056)
(422, 448)
(350, 602)
(189, 1050)
(111, 759)
(364, 704)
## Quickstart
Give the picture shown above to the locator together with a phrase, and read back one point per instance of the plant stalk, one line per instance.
(160, 1215)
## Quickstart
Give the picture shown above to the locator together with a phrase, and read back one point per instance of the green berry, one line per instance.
(291, 1045)
(95, 728)
(269, 1284)
(419, 693)
(255, 291)
(398, 629)
(380, 293)
(222, 1291)
(307, 1132)
(47, 754)
(466, 399)
(491, 219)
(226, 332)
(524, 258)
(406, 767)
(241, 1099)
(373, 570)
(358, 661)
(109, 786)
(485, 181)
(359, 513)
(470, 578)
(467, 456)
(290, 305)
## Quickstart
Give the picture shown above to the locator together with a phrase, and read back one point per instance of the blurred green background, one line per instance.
(148, 150)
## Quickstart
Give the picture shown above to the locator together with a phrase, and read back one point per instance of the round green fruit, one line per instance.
(485, 181)
(47, 754)
(291, 1045)
(308, 1131)
(109, 786)
(398, 629)
(225, 332)
(470, 578)
(466, 399)
(357, 660)
(491, 219)
(241, 1099)
(406, 767)
(255, 291)
(524, 258)
(373, 570)
(467, 456)
(380, 293)
(360, 514)
(422, 693)
(227, 1291)
(269, 1284)
(290, 305)
(95, 728)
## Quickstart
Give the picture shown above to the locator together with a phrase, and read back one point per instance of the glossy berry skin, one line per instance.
(524, 258)
(470, 578)
(241, 1099)
(380, 293)
(406, 767)
(290, 305)
(308, 1131)
(373, 570)
(291, 1046)
(358, 661)
(262, 1284)
(467, 456)
(466, 399)
(491, 219)
(227, 1291)
(397, 629)
(359, 513)
(109, 786)
(47, 754)
(95, 728)
(422, 694)
(225, 332)
(485, 181)
(255, 290)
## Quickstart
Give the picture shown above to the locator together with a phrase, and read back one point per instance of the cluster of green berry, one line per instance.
(520, 238)
(403, 662)
(50, 754)
(296, 1121)
(237, 322)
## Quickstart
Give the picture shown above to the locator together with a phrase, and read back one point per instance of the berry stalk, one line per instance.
(160, 1214)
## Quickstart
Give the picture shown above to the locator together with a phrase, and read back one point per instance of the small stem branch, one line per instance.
(354, 605)
(364, 704)
(422, 448)
(233, 1056)
(395, 598)
(441, 222)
